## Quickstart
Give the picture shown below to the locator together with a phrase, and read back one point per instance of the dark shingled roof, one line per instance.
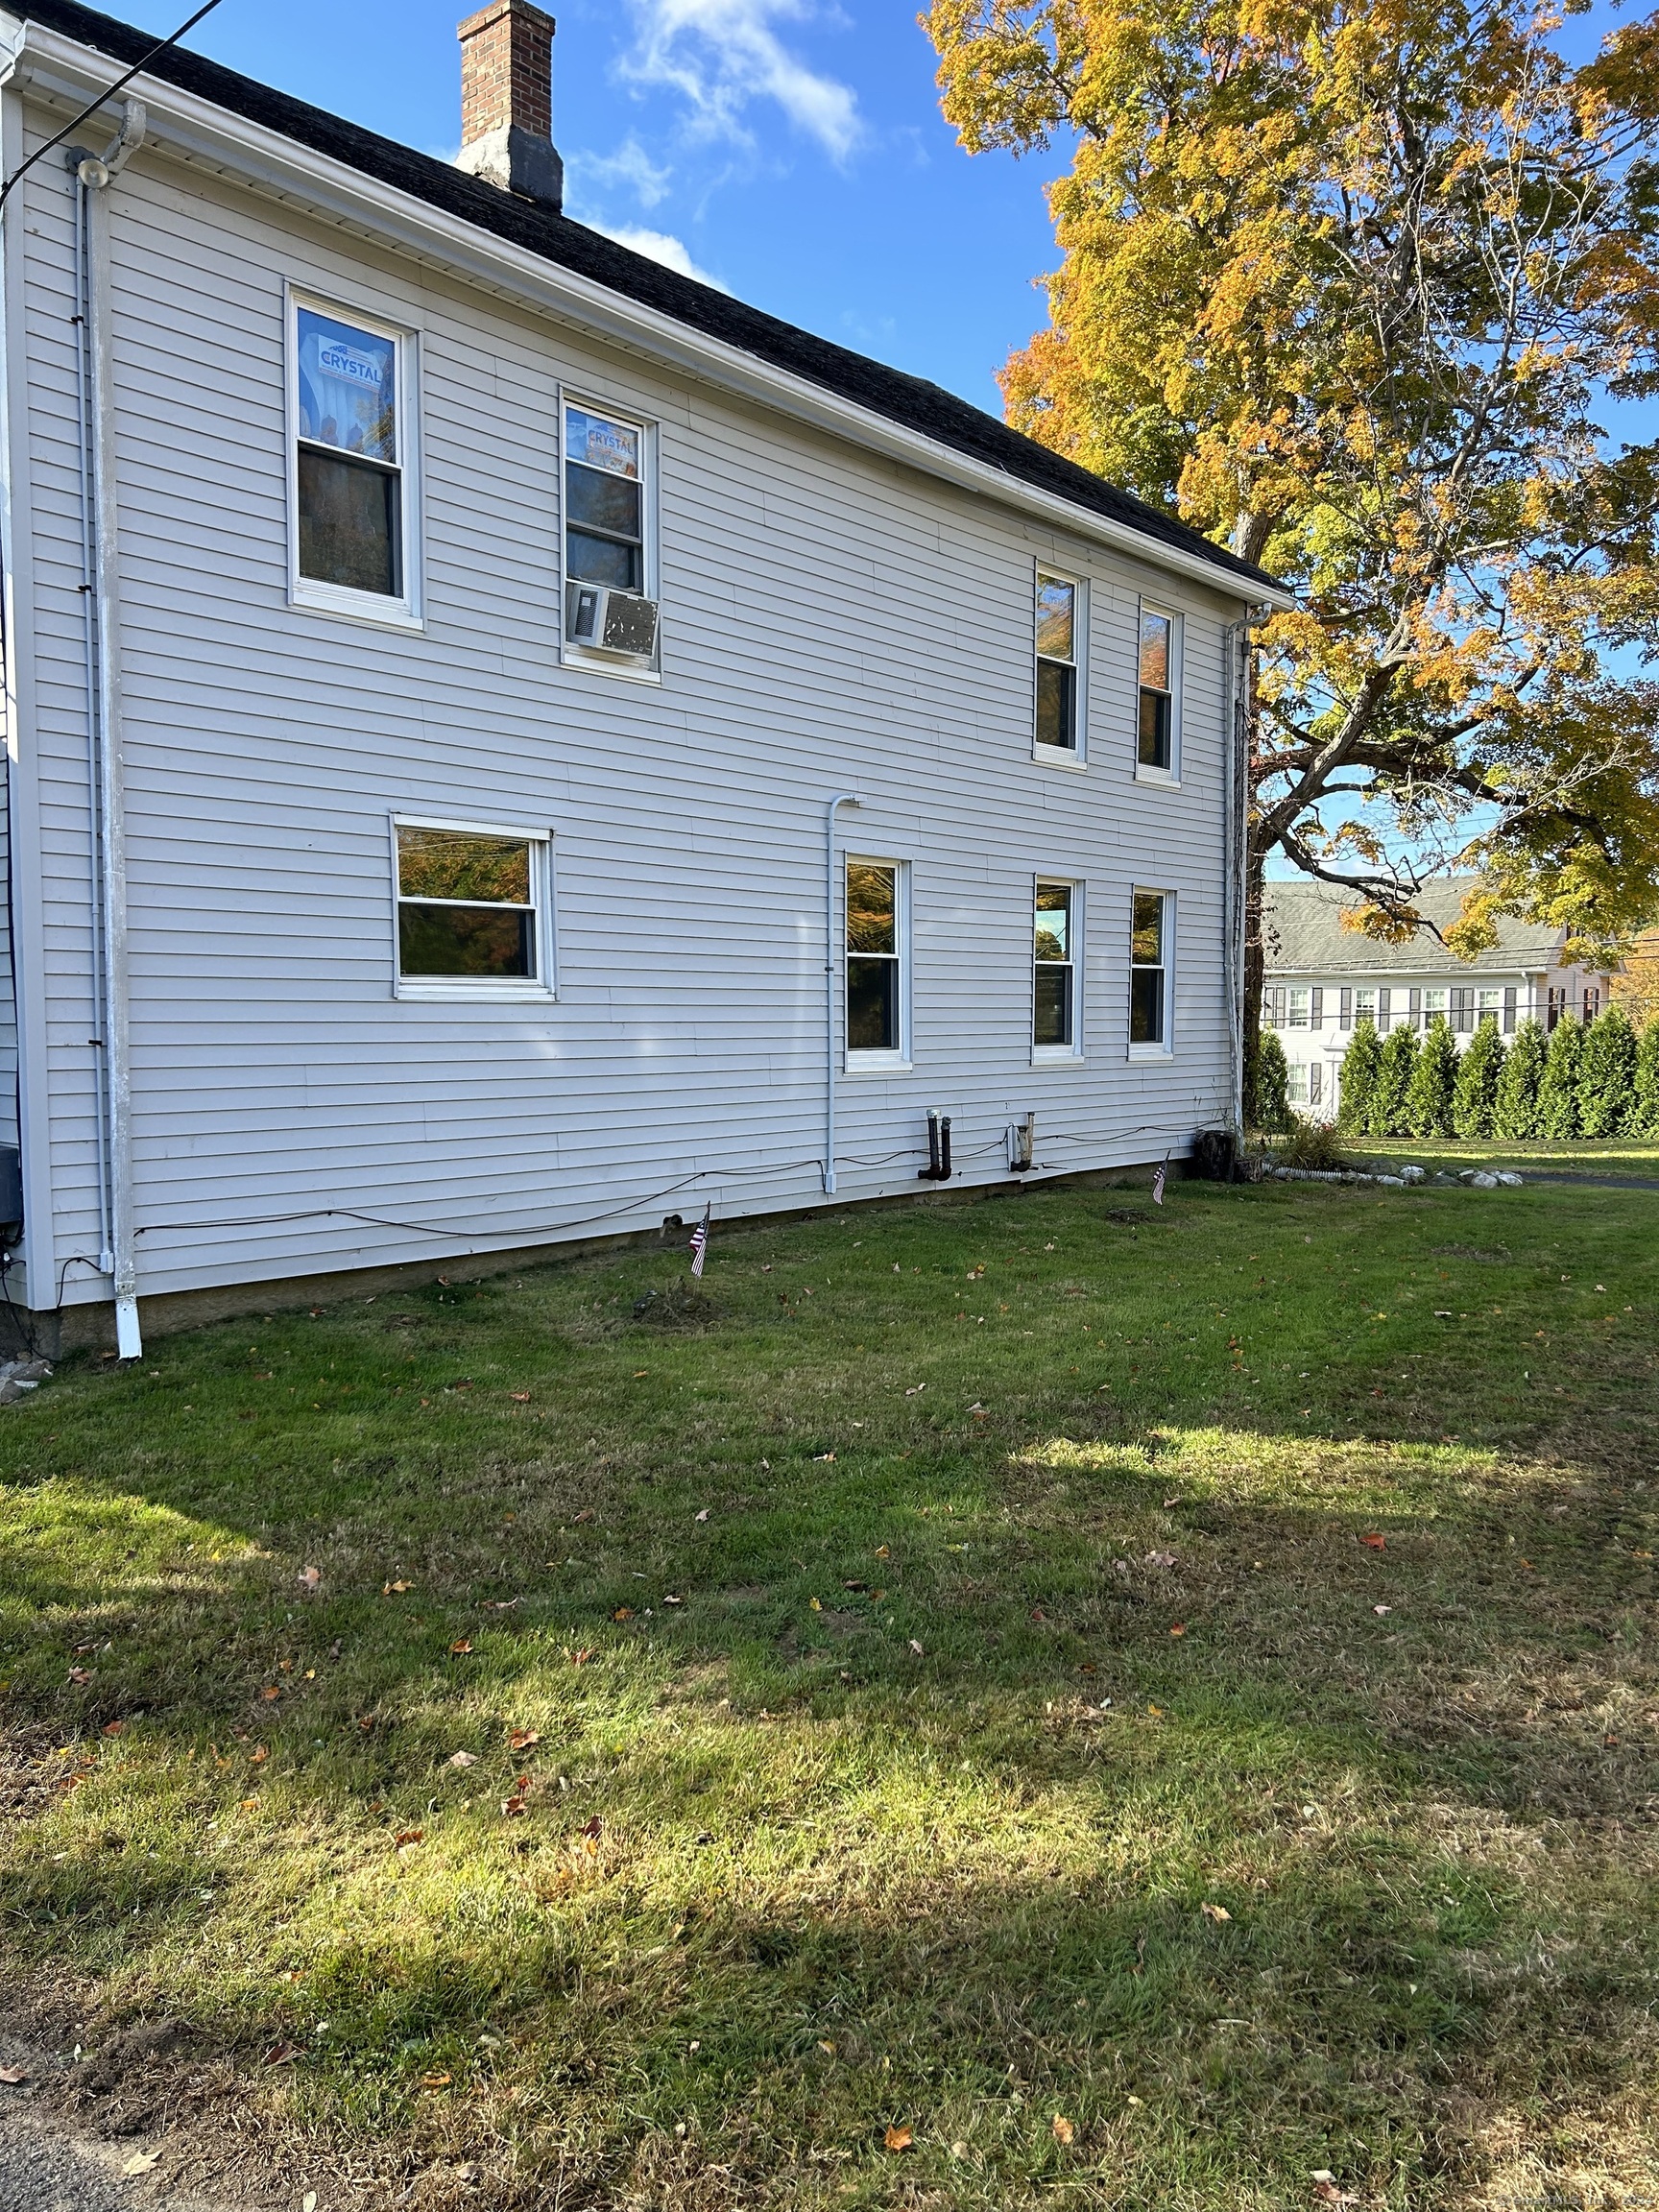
(909, 400)
(1305, 936)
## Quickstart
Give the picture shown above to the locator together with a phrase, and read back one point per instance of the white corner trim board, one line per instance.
(59, 71)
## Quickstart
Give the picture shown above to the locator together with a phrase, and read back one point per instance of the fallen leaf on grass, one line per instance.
(14, 2077)
(281, 2054)
(1160, 1558)
(512, 1807)
(409, 1836)
(586, 1514)
(624, 1613)
(881, 1552)
(81, 1676)
(899, 2139)
(703, 1516)
(1064, 2132)
(916, 1647)
(1326, 2191)
(435, 2080)
(461, 1759)
(308, 1577)
(522, 1739)
(387, 1588)
(816, 1604)
(258, 1755)
(461, 1646)
(593, 1829)
(1217, 1913)
(1375, 1542)
(112, 1727)
(1178, 1628)
(519, 1397)
(142, 2162)
(272, 1692)
(582, 1657)
(1381, 1611)
(819, 1455)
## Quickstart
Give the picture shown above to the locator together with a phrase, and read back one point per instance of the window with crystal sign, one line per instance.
(604, 500)
(348, 462)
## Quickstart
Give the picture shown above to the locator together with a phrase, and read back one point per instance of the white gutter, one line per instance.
(101, 598)
(60, 71)
(831, 964)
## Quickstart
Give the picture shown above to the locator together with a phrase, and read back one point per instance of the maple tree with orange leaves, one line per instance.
(1350, 290)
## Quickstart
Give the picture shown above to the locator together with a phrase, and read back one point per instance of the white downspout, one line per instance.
(102, 596)
(831, 964)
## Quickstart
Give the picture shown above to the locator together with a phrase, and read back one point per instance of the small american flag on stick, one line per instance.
(1158, 1180)
(700, 1242)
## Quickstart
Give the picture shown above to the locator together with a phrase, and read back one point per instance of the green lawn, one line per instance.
(1148, 1705)
(1635, 1157)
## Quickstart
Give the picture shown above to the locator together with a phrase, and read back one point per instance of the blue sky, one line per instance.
(792, 151)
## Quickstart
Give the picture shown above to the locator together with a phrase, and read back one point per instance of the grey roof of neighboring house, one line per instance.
(1304, 936)
(911, 401)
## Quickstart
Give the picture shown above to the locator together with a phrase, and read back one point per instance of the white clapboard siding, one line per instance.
(831, 621)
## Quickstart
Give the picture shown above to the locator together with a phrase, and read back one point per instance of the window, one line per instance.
(349, 496)
(1057, 640)
(471, 904)
(1148, 969)
(1366, 1003)
(1053, 1017)
(1488, 1003)
(1156, 749)
(1592, 1003)
(604, 500)
(1555, 1004)
(1433, 1004)
(1296, 1088)
(1298, 1008)
(874, 929)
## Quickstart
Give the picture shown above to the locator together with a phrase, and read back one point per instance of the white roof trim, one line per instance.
(64, 73)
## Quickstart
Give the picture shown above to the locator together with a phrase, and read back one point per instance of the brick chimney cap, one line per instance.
(499, 8)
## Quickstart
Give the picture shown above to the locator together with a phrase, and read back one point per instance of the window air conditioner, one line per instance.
(612, 621)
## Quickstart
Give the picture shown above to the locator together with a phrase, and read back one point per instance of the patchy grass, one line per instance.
(1636, 1157)
(1186, 1674)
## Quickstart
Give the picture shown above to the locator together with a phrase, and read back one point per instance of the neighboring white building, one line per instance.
(1322, 979)
(507, 743)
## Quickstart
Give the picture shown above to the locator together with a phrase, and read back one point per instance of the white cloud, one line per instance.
(630, 166)
(659, 246)
(723, 53)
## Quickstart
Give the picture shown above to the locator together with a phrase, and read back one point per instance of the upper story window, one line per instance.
(1057, 648)
(875, 1012)
(1159, 644)
(1149, 971)
(471, 911)
(352, 464)
(1055, 991)
(604, 500)
(1298, 1008)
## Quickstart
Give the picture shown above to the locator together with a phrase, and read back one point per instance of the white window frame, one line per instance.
(1164, 1048)
(407, 612)
(1060, 1055)
(881, 1060)
(1075, 755)
(1302, 992)
(484, 989)
(1293, 1070)
(592, 657)
(1170, 776)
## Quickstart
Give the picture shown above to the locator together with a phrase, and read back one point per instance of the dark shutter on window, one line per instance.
(1384, 1001)
(1314, 1074)
(1414, 1001)
(1276, 1000)
(1316, 1007)
(1509, 1011)
(1345, 1015)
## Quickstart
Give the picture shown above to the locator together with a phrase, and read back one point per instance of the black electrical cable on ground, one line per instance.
(103, 100)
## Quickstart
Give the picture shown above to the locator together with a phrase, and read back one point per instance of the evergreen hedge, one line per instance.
(1358, 1078)
(1607, 1076)
(1433, 1082)
(1558, 1087)
(1516, 1113)
(1396, 1064)
(1481, 1069)
(1272, 1083)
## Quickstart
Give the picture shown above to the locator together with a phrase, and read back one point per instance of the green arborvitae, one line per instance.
(1516, 1115)
(1272, 1083)
(1558, 1086)
(1396, 1064)
(1607, 1075)
(1475, 1097)
(1358, 1078)
(1433, 1082)
(1646, 1121)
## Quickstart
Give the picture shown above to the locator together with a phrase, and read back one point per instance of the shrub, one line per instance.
(1478, 1078)
(1272, 1083)
(1433, 1082)
(1311, 1144)
(1558, 1086)
(1358, 1077)
(1516, 1115)
(1644, 1122)
(1396, 1064)
(1607, 1075)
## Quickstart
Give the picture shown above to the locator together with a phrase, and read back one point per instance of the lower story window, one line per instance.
(1148, 968)
(468, 906)
(1054, 1019)
(875, 923)
(1296, 1088)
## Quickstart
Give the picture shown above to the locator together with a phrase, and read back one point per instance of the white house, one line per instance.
(506, 743)
(1322, 979)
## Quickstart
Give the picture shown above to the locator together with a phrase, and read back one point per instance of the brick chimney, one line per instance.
(507, 101)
